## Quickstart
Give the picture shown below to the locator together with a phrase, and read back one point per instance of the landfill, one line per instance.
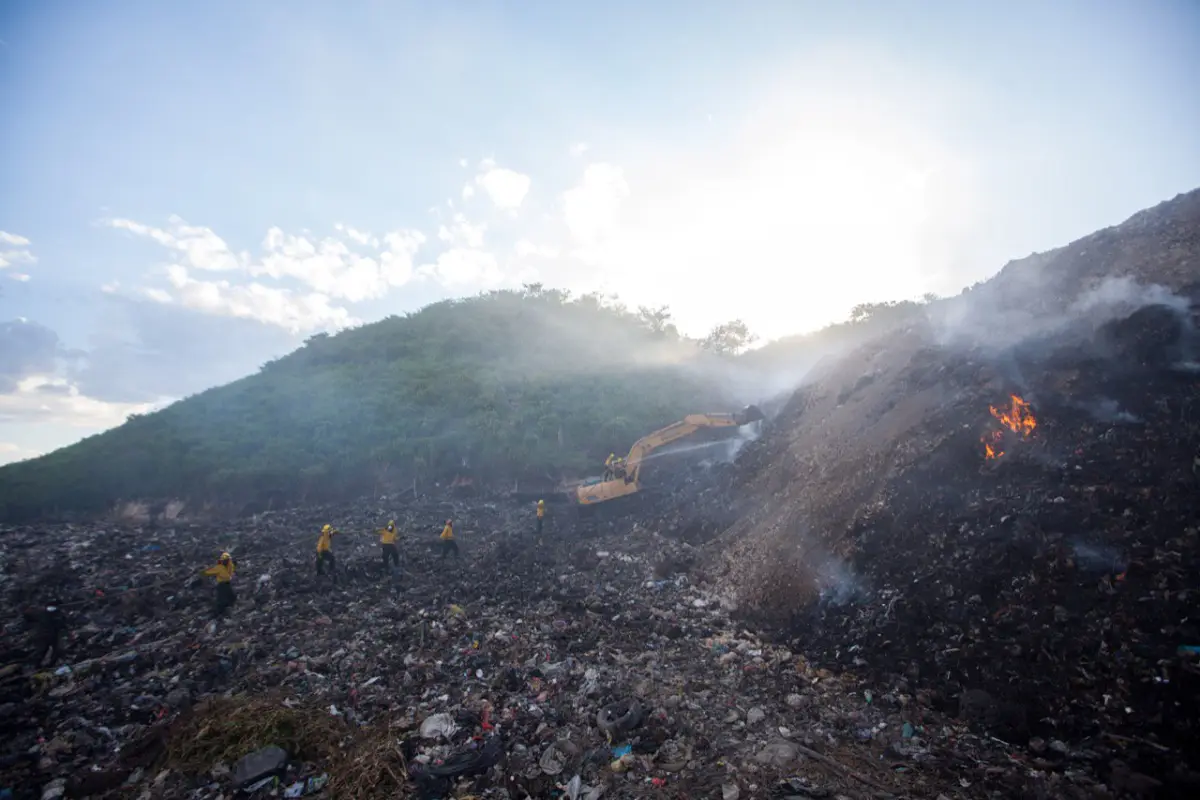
(939, 570)
(597, 663)
(593, 665)
(1016, 534)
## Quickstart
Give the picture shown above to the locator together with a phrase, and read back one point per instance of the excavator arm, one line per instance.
(627, 483)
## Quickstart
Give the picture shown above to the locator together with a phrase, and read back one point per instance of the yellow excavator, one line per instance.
(624, 472)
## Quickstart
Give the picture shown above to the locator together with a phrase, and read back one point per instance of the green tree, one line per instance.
(729, 338)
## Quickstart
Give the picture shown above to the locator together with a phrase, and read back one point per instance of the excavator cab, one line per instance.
(750, 413)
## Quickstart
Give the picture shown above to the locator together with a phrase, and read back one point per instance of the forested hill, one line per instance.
(503, 387)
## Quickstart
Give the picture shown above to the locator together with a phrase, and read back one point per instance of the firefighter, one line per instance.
(223, 572)
(541, 516)
(618, 468)
(608, 466)
(51, 622)
(447, 539)
(387, 540)
(325, 552)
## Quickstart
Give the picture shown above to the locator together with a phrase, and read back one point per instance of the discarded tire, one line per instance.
(619, 717)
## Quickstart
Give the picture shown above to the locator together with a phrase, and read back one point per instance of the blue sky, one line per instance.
(190, 189)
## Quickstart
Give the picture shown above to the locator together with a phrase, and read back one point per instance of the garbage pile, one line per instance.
(1018, 535)
(590, 665)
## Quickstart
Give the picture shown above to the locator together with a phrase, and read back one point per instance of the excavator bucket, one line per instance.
(749, 414)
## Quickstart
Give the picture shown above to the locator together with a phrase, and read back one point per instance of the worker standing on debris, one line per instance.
(51, 622)
(387, 539)
(541, 516)
(223, 572)
(608, 466)
(447, 538)
(325, 552)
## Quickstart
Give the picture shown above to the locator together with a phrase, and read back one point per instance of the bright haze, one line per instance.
(190, 189)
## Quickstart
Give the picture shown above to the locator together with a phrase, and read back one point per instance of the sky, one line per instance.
(191, 189)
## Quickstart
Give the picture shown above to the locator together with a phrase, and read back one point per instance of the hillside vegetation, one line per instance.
(510, 388)
(507, 386)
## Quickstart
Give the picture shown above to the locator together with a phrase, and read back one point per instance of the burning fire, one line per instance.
(1018, 418)
(991, 445)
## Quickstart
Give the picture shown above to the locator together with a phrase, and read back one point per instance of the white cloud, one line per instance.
(16, 252)
(461, 233)
(361, 237)
(505, 187)
(56, 401)
(461, 266)
(396, 262)
(200, 247)
(329, 267)
(592, 208)
(578, 149)
(295, 312)
(468, 192)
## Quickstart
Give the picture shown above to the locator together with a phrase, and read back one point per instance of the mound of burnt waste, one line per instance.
(1026, 548)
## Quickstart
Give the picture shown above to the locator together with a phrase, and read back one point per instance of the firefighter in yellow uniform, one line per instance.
(447, 538)
(618, 468)
(223, 572)
(608, 466)
(541, 517)
(325, 552)
(387, 539)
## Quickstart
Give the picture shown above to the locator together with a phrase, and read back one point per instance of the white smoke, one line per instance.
(983, 319)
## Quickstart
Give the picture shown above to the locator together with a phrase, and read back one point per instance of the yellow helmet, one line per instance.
(225, 557)
(541, 502)
(326, 529)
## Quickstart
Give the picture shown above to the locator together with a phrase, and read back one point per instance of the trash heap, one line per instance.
(1017, 534)
(592, 665)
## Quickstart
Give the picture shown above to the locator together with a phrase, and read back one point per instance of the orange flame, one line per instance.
(1018, 418)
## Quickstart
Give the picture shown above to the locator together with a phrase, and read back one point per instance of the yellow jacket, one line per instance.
(388, 535)
(325, 543)
(447, 532)
(222, 572)
(541, 508)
